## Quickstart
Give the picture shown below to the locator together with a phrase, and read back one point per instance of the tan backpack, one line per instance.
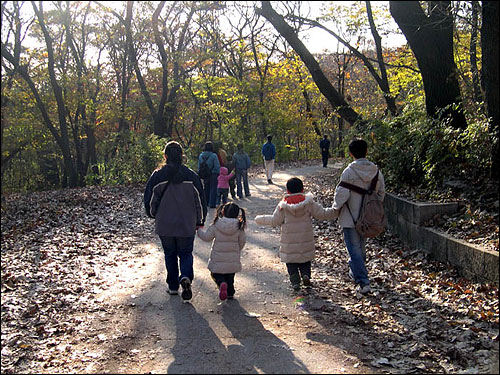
(371, 220)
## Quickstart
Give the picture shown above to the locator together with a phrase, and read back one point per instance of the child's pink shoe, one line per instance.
(223, 291)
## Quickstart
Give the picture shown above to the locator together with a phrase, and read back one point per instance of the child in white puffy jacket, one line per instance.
(294, 214)
(228, 235)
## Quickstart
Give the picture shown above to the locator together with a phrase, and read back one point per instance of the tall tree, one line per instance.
(331, 94)
(430, 37)
(380, 78)
(60, 135)
(489, 44)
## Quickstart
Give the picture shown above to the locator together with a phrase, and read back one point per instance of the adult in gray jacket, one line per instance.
(174, 197)
(241, 164)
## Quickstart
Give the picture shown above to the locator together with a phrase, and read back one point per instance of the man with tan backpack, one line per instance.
(359, 200)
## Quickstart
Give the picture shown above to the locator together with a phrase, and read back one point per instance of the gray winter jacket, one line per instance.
(360, 173)
(174, 198)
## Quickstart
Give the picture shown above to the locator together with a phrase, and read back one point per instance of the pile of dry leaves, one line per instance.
(56, 249)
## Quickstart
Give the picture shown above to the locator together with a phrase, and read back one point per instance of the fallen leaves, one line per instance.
(421, 316)
(56, 247)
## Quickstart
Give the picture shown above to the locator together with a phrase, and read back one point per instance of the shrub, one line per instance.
(129, 157)
(417, 151)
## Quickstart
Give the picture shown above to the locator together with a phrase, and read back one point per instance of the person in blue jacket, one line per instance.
(269, 154)
(174, 197)
(210, 183)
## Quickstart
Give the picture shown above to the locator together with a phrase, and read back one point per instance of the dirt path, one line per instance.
(263, 330)
(83, 291)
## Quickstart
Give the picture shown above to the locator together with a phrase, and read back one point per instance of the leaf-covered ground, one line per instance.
(59, 250)
(430, 319)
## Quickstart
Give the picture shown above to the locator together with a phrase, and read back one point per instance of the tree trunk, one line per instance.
(384, 82)
(476, 85)
(489, 44)
(69, 166)
(334, 98)
(431, 40)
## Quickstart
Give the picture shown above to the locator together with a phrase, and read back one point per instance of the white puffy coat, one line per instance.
(228, 241)
(360, 173)
(297, 235)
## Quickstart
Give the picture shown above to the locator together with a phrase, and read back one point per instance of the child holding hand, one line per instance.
(228, 235)
(223, 185)
(294, 214)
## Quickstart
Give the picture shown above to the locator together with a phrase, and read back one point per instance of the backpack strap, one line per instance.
(373, 184)
(360, 190)
(352, 187)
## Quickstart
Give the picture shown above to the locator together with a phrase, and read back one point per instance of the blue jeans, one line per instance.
(178, 250)
(356, 247)
(210, 186)
(242, 174)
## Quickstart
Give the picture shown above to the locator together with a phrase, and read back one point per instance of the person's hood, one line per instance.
(227, 225)
(223, 171)
(364, 169)
(175, 173)
(296, 203)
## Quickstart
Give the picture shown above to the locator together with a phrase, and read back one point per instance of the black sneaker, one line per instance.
(172, 292)
(365, 289)
(186, 294)
(306, 280)
(295, 281)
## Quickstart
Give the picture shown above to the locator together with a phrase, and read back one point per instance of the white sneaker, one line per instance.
(365, 289)
(351, 275)
(172, 292)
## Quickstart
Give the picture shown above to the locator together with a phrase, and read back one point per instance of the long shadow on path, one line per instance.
(257, 350)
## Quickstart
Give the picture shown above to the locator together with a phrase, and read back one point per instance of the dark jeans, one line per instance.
(232, 186)
(294, 268)
(222, 195)
(324, 156)
(242, 174)
(219, 278)
(178, 250)
(210, 186)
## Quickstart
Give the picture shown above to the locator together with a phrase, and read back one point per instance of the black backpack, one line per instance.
(204, 171)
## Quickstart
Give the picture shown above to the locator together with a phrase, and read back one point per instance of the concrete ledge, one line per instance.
(406, 219)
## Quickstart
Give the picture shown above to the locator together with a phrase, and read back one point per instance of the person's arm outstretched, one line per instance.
(277, 218)
(321, 213)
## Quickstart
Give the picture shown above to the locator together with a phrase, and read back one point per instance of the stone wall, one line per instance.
(406, 219)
